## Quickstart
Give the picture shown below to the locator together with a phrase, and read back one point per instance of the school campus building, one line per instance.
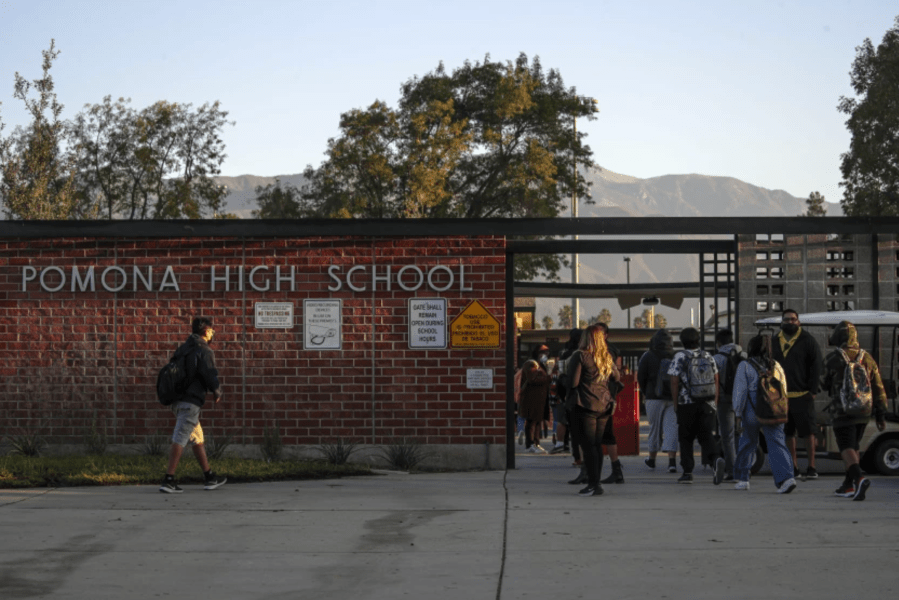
(364, 330)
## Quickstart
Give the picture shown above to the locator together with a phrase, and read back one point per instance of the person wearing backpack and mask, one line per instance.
(799, 354)
(694, 391)
(535, 381)
(854, 382)
(728, 358)
(203, 377)
(747, 406)
(652, 377)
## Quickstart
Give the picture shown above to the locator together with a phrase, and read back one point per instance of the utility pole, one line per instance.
(627, 262)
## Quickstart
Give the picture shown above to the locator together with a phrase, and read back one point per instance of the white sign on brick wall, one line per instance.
(274, 315)
(479, 379)
(322, 325)
(427, 322)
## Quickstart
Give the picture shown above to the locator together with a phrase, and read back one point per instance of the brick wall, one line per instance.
(69, 357)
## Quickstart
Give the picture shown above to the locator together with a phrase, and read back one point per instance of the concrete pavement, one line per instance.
(518, 534)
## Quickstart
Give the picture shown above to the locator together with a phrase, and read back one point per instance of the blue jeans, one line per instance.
(778, 455)
(726, 431)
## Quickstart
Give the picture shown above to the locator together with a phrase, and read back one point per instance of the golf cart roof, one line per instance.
(833, 318)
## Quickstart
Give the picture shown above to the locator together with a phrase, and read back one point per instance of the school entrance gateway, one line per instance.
(373, 331)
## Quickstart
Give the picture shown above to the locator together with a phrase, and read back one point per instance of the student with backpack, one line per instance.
(694, 391)
(728, 358)
(655, 385)
(760, 404)
(857, 392)
(201, 378)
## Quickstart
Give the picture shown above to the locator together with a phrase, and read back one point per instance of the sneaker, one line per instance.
(686, 478)
(672, 468)
(650, 462)
(521, 438)
(787, 486)
(861, 488)
(718, 477)
(847, 490)
(532, 450)
(566, 449)
(169, 487)
(214, 481)
(811, 473)
(559, 447)
(742, 485)
(539, 449)
(591, 490)
(795, 472)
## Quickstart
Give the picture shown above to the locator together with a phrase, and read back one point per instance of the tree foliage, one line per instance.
(565, 317)
(490, 139)
(815, 205)
(547, 322)
(156, 163)
(871, 166)
(36, 175)
(278, 201)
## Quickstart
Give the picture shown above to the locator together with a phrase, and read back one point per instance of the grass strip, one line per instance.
(65, 471)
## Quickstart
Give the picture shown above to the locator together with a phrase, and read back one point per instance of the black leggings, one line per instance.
(589, 427)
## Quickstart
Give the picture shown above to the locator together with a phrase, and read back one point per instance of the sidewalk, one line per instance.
(521, 534)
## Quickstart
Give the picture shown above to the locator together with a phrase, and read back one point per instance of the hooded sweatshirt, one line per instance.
(204, 377)
(845, 336)
(661, 345)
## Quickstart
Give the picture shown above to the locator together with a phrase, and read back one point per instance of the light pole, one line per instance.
(627, 263)
(575, 301)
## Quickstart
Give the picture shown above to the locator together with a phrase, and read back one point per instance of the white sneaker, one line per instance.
(539, 448)
(787, 486)
(742, 485)
(559, 447)
(532, 450)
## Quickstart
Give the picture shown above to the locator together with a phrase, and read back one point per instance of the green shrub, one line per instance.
(339, 451)
(27, 443)
(216, 446)
(95, 441)
(272, 447)
(156, 444)
(404, 454)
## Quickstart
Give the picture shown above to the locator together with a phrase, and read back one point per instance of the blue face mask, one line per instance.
(543, 358)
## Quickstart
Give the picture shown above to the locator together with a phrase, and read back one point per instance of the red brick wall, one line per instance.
(68, 356)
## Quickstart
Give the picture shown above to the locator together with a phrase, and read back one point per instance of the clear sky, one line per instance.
(741, 89)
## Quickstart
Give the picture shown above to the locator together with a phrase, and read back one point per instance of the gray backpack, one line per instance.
(701, 375)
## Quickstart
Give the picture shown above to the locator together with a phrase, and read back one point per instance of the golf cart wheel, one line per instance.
(886, 457)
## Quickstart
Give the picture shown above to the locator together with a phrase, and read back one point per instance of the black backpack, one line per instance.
(733, 360)
(173, 380)
(663, 380)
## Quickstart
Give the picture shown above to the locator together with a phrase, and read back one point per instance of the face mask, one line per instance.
(789, 328)
(544, 358)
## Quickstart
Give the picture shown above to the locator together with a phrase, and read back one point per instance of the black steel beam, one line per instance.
(627, 226)
(620, 246)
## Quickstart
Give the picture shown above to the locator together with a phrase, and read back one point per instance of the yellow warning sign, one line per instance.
(475, 327)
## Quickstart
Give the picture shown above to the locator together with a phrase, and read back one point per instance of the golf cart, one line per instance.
(879, 449)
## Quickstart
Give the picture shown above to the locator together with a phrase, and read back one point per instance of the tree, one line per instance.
(661, 321)
(490, 139)
(156, 163)
(643, 321)
(278, 201)
(871, 166)
(547, 322)
(605, 316)
(565, 317)
(36, 174)
(815, 205)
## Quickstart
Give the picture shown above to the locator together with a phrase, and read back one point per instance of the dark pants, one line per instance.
(589, 427)
(571, 434)
(532, 430)
(694, 421)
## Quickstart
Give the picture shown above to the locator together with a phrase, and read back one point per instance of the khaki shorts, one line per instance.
(187, 426)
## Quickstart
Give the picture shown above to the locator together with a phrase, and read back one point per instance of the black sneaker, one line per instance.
(213, 481)
(169, 487)
(811, 473)
(718, 477)
(795, 472)
(591, 490)
(847, 490)
(672, 468)
(861, 488)
(650, 462)
(685, 478)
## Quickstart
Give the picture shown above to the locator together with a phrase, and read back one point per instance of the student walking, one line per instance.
(799, 354)
(854, 399)
(534, 394)
(591, 369)
(728, 358)
(655, 386)
(203, 378)
(746, 402)
(694, 391)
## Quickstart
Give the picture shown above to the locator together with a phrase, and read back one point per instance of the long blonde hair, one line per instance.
(594, 343)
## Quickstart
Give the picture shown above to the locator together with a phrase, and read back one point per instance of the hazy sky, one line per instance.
(747, 90)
